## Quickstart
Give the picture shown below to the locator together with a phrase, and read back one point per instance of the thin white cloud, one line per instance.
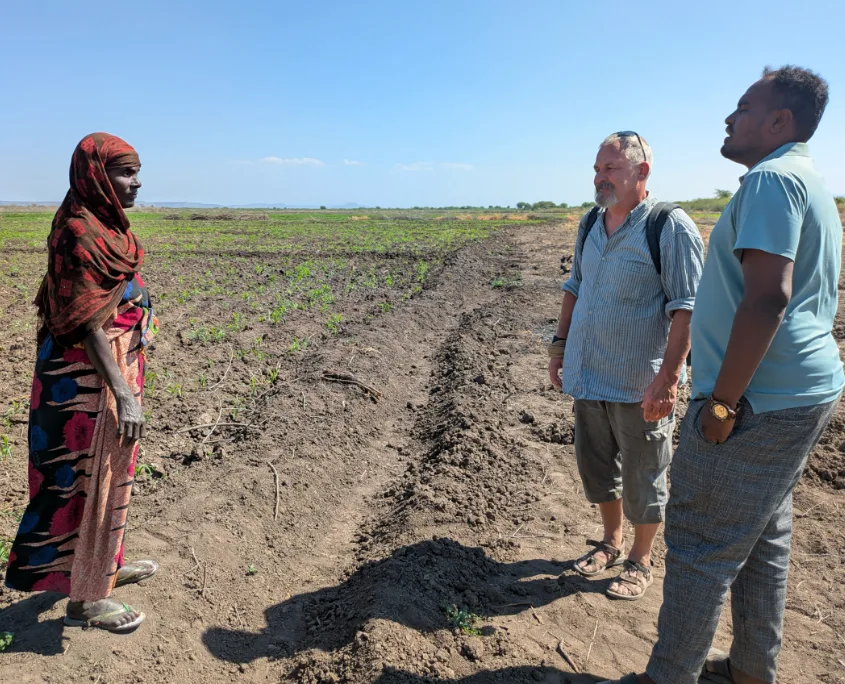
(302, 161)
(350, 162)
(416, 166)
(431, 166)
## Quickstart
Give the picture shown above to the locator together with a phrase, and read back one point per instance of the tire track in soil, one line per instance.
(460, 525)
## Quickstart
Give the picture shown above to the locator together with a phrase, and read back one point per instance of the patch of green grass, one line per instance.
(6, 639)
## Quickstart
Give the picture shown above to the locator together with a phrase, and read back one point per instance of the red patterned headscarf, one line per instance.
(92, 254)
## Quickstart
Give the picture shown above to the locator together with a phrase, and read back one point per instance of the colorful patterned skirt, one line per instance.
(70, 538)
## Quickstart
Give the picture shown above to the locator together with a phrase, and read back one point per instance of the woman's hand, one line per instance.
(130, 418)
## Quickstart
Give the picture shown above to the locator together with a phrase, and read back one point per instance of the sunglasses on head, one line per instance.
(628, 134)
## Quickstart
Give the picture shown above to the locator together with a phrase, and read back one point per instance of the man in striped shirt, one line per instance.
(621, 343)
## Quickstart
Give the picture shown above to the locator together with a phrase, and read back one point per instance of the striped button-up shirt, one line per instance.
(620, 324)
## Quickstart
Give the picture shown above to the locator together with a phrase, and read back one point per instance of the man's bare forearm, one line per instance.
(565, 319)
(677, 347)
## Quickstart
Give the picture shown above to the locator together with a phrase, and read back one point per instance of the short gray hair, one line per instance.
(630, 145)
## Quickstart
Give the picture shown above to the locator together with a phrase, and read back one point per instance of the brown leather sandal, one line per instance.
(636, 576)
(613, 558)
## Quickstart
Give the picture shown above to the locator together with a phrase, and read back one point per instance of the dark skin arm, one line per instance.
(130, 417)
(563, 323)
(768, 290)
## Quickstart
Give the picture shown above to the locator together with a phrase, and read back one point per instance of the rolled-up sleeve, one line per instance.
(682, 262)
(573, 285)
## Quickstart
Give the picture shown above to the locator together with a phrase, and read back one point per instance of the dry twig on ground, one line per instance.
(348, 379)
(276, 480)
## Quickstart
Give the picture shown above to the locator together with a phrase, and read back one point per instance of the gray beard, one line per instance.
(606, 200)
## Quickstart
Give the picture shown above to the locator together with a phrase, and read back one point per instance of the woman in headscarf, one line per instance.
(85, 413)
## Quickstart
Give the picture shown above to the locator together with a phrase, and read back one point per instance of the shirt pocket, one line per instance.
(632, 281)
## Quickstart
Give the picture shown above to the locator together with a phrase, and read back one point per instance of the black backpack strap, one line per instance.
(654, 229)
(592, 217)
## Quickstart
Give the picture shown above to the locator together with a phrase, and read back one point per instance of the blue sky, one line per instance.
(397, 102)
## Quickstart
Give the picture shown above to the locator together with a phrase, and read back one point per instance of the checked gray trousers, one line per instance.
(729, 527)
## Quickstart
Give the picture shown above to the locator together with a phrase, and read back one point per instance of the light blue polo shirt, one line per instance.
(782, 207)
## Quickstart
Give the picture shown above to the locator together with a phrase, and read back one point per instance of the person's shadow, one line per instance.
(509, 675)
(28, 634)
(415, 586)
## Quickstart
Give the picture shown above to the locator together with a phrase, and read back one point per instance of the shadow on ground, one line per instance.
(412, 587)
(29, 634)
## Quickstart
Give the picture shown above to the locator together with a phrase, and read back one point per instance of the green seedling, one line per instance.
(298, 345)
(6, 639)
(147, 470)
(251, 570)
(463, 620)
(5, 448)
(506, 283)
(5, 549)
(333, 323)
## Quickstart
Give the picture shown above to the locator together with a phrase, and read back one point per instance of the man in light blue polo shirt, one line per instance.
(766, 380)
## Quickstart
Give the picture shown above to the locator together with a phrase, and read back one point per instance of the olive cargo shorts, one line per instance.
(621, 455)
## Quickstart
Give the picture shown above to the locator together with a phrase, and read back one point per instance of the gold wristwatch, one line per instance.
(722, 411)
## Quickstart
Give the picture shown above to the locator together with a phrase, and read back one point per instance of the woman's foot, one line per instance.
(103, 614)
(136, 571)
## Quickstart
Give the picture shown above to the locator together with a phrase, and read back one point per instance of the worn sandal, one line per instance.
(637, 577)
(717, 668)
(136, 571)
(100, 620)
(613, 558)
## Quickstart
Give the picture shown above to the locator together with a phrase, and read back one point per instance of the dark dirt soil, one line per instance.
(456, 487)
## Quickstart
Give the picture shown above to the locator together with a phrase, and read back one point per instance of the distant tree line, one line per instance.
(546, 204)
(714, 204)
